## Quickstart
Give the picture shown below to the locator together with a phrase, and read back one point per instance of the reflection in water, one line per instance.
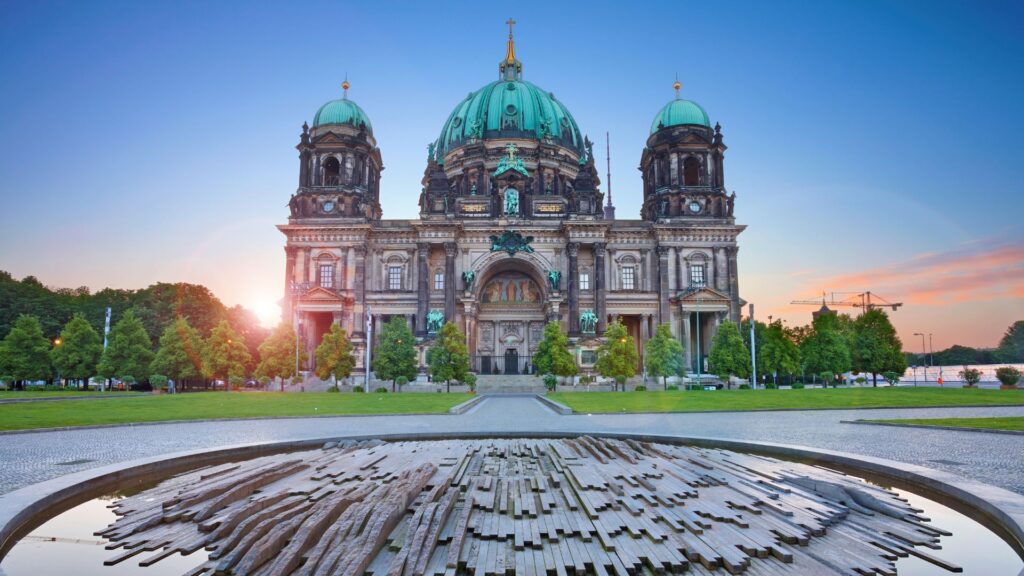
(66, 545)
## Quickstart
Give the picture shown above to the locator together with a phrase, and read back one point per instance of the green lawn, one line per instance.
(12, 395)
(702, 401)
(203, 405)
(1008, 423)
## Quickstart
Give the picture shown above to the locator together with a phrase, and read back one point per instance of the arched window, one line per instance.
(332, 168)
(691, 171)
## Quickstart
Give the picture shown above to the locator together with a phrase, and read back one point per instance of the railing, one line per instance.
(502, 364)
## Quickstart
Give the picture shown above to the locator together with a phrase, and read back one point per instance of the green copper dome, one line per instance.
(680, 112)
(343, 111)
(509, 108)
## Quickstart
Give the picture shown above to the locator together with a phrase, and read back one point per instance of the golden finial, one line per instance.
(510, 55)
(344, 86)
(676, 86)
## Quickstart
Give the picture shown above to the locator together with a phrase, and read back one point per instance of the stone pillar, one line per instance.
(734, 284)
(645, 329)
(687, 338)
(450, 250)
(359, 308)
(599, 287)
(289, 277)
(721, 269)
(574, 288)
(422, 294)
(663, 290)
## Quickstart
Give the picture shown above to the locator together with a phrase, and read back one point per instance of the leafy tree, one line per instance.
(729, 356)
(180, 356)
(277, 353)
(893, 378)
(448, 358)
(395, 355)
(663, 355)
(334, 355)
(553, 355)
(25, 351)
(129, 349)
(79, 351)
(877, 348)
(826, 348)
(617, 357)
(225, 354)
(1011, 346)
(777, 353)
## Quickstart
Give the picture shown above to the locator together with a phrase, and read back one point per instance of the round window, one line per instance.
(510, 109)
(510, 86)
(456, 122)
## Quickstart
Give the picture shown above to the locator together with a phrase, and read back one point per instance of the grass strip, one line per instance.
(216, 405)
(808, 399)
(1011, 423)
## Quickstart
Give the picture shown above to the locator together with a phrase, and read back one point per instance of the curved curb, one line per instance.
(558, 407)
(735, 411)
(24, 509)
(935, 427)
(466, 406)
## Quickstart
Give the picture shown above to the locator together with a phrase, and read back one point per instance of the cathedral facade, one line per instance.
(512, 232)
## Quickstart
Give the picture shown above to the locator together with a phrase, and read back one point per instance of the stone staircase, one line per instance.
(509, 384)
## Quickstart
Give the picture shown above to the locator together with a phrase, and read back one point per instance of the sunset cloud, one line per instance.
(980, 271)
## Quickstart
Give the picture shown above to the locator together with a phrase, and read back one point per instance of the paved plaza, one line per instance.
(991, 458)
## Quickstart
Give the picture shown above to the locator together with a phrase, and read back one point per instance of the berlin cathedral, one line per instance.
(513, 231)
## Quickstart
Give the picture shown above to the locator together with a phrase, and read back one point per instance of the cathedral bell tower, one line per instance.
(339, 165)
(682, 166)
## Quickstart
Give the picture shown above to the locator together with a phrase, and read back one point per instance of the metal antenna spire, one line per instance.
(609, 210)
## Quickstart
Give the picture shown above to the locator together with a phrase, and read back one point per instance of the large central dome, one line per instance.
(509, 107)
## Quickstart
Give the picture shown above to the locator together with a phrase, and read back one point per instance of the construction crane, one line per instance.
(863, 300)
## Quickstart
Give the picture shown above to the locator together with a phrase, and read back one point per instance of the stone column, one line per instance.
(645, 329)
(289, 277)
(663, 290)
(734, 284)
(574, 288)
(687, 339)
(450, 250)
(359, 309)
(422, 295)
(721, 269)
(599, 287)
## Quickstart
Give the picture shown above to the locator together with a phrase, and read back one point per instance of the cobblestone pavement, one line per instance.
(991, 458)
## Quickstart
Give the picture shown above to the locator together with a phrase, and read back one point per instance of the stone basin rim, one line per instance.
(22, 510)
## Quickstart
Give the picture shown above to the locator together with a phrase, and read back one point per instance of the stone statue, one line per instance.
(475, 128)
(554, 279)
(511, 201)
(293, 205)
(588, 322)
(663, 208)
(472, 189)
(732, 200)
(430, 150)
(467, 278)
(435, 318)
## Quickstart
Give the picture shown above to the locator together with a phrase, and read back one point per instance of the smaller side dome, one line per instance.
(343, 111)
(680, 112)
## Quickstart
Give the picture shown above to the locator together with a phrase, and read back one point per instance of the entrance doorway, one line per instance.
(511, 361)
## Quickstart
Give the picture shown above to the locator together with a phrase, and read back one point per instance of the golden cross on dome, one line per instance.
(510, 23)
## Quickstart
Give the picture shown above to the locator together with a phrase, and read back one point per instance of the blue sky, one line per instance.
(149, 141)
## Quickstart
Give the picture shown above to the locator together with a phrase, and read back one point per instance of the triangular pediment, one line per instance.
(705, 295)
(320, 294)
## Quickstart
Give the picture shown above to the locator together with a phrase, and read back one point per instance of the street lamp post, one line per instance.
(57, 342)
(700, 360)
(924, 355)
(369, 340)
(298, 289)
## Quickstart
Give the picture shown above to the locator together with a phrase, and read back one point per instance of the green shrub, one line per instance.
(358, 389)
(333, 389)
(744, 386)
(770, 386)
(550, 382)
(672, 387)
(892, 377)
(236, 382)
(128, 380)
(970, 376)
(158, 382)
(381, 390)
(401, 381)
(470, 380)
(640, 388)
(797, 386)
(1008, 375)
(265, 381)
(694, 387)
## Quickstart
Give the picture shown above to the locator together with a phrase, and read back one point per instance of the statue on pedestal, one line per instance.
(588, 322)
(435, 318)
(554, 279)
(467, 278)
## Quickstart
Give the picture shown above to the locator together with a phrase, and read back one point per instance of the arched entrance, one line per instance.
(510, 318)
